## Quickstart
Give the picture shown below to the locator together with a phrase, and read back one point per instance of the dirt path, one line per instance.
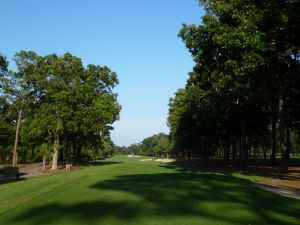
(281, 190)
(31, 170)
(286, 184)
(26, 171)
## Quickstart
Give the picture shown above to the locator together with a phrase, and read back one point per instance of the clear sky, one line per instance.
(135, 38)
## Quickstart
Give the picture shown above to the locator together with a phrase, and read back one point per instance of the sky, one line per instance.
(135, 38)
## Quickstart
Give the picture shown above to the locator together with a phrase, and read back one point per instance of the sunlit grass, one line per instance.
(123, 190)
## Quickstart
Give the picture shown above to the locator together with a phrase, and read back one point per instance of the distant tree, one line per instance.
(156, 145)
(134, 149)
(120, 150)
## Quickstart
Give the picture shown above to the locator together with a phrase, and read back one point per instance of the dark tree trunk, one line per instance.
(243, 144)
(288, 144)
(3, 156)
(74, 153)
(61, 153)
(226, 152)
(188, 155)
(240, 148)
(234, 150)
(94, 154)
(250, 153)
(274, 142)
(78, 153)
(64, 154)
(265, 154)
(282, 132)
(24, 157)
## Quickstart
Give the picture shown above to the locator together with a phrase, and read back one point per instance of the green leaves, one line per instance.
(74, 101)
(243, 55)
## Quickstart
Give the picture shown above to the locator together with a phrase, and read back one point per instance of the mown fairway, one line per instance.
(125, 190)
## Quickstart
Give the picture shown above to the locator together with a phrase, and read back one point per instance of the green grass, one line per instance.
(126, 191)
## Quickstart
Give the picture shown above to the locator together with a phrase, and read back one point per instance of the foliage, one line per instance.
(6, 121)
(155, 145)
(247, 60)
(66, 106)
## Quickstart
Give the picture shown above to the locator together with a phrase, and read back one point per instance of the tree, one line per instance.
(72, 105)
(156, 145)
(6, 122)
(18, 94)
(234, 90)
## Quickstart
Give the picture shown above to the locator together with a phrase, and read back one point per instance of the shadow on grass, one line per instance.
(81, 213)
(220, 166)
(102, 163)
(223, 198)
(6, 180)
(219, 198)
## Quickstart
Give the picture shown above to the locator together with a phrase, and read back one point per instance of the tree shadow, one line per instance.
(84, 213)
(223, 199)
(222, 167)
(188, 191)
(205, 196)
(103, 163)
(8, 180)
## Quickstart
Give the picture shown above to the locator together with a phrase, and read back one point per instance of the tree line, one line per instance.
(53, 106)
(157, 145)
(243, 94)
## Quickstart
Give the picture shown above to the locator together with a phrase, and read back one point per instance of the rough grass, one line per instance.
(126, 191)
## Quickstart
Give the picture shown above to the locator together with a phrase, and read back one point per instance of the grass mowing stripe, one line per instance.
(49, 186)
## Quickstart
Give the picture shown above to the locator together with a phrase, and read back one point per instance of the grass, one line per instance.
(124, 190)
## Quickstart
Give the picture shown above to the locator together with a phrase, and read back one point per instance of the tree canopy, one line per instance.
(66, 106)
(245, 82)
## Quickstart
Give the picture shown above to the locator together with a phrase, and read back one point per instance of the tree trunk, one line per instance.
(265, 154)
(282, 133)
(188, 155)
(234, 150)
(3, 156)
(73, 149)
(243, 144)
(273, 155)
(240, 155)
(226, 152)
(61, 154)
(55, 152)
(14, 161)
(250, 153)
(288, 144)
(24, 156)
(78, 153)
(44, 159)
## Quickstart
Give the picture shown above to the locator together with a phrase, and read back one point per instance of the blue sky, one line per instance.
(135, 38)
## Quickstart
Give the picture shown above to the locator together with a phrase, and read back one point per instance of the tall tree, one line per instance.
(6, 125)
(235, 50)
(74, 104)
